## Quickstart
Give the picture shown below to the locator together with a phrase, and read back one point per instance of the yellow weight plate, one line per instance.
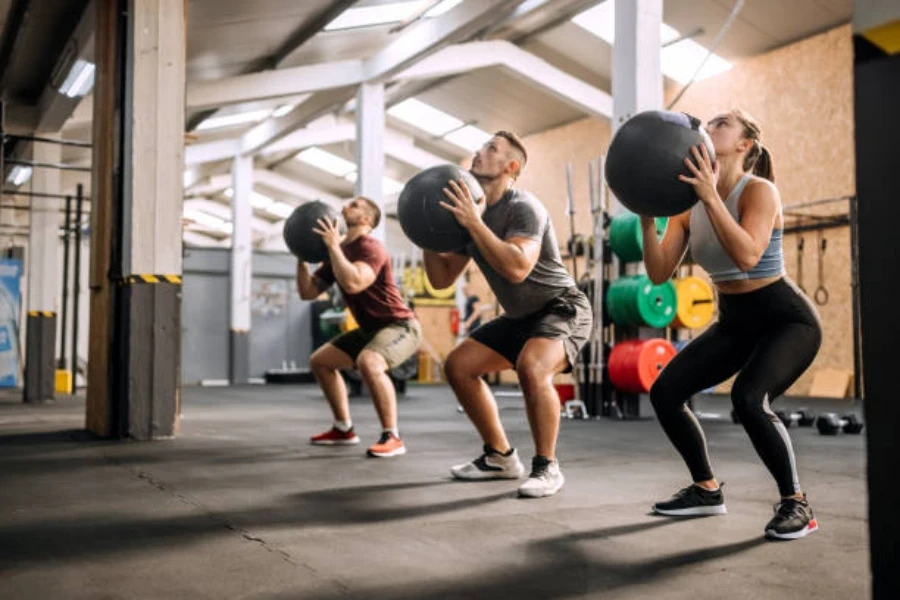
(443, 294)
(349, 323)
(696, 303)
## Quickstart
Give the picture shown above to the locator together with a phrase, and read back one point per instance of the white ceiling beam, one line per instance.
(422, 39)
(273, 84)
(536, 71)
(315, 136)
(223, 211)
(291, 187)
(272, 130)
(206, 152)
(197, 238)
(429, 35)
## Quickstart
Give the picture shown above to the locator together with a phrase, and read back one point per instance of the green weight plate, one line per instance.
(657, 304)
(626, 239)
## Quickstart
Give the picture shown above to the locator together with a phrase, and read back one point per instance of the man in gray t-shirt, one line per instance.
(547, 319)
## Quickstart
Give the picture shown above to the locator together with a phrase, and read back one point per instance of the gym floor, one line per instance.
(240, 506)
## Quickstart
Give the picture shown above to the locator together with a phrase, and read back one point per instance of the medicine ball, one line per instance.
(299, 236)
(646, 157)
(424, 221)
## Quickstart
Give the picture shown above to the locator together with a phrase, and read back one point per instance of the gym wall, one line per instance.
(802, 94)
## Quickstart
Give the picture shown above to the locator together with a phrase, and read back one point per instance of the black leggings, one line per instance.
(771, 336)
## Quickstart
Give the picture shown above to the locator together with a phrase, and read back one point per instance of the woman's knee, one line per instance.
(665, 397)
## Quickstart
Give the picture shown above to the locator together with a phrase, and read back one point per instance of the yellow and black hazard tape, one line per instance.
(133, 279)
(49, 314)
(880, 41)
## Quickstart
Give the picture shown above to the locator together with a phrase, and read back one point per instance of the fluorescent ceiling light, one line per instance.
(469, 137)
(231, 120)
(203, 218)
(382, 14)
(80, 79)
(280, 209)
(19, 175)
(441, 8)
(425, 117)
(326, 161)
(283, 110)
(678, 61)
(681, 60)
(601, 21)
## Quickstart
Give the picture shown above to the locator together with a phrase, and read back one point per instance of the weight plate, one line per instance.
(656, 303)
(696, 303)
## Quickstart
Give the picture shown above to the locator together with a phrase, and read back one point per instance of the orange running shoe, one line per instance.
(387, 445)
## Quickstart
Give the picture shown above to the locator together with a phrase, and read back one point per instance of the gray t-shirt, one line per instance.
(520, 214)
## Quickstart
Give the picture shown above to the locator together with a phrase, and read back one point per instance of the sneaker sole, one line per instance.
(334, 442)
(695, 511)
(795, 535)
(394, 452)
(487, 475)
(526, 493)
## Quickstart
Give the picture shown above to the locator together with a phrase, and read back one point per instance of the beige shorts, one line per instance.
(396, 342)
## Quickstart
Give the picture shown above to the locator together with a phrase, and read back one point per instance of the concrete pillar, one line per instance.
(44, 274)
(134, 361)
(370, 146)
(241, 269)
(636, 78)
(876, 26)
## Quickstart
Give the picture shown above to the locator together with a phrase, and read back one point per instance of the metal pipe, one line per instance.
(35, 138)
(46, 165)
(76, 284)
(832, 224)
(854, 294)
(65, 286)
(38, 194)
(818, 202)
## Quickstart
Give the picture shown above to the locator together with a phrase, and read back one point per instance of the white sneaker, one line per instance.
(490, 465)
(545, 479)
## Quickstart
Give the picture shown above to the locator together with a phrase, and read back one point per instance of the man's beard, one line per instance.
(484, 177)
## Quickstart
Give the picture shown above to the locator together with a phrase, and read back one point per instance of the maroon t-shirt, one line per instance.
(379, 304)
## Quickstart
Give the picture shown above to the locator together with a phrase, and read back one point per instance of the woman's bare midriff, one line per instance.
(742, 286)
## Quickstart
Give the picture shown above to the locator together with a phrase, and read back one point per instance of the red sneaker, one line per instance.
(335, 437)
(387, 445)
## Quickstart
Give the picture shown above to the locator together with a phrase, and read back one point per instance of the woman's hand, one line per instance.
(705, 175)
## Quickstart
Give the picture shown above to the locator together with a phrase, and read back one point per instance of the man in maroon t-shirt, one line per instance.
(388, 332)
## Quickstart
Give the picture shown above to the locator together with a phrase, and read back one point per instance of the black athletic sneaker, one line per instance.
(692, 501)
(793, 519)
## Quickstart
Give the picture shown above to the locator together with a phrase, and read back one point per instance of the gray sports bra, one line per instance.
(708, 252)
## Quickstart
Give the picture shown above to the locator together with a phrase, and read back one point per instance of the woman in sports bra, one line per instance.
(767, 332)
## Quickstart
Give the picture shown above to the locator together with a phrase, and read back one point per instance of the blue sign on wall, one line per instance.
(10, 298)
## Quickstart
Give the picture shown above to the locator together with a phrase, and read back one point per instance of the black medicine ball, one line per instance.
(299, 236)
(646, 156)
(424, 221)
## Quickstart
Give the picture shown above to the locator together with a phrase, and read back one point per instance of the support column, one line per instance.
(44, 270)
(636, 77)
(636, 86)
(876, 89)
(241, 273)
(134, 379)
(370, 146)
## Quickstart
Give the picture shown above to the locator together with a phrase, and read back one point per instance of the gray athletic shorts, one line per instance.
(567, 317)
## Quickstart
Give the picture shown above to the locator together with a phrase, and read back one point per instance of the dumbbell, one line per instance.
(802, 418)
(832, 424)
